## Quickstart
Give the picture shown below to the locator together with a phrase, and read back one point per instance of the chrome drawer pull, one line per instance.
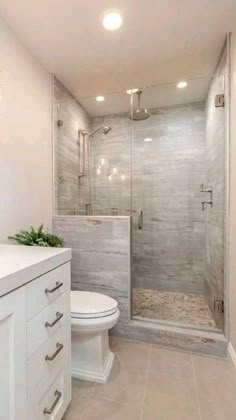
(58, 284)
(59, 315)
(58, 395)
(52, 357)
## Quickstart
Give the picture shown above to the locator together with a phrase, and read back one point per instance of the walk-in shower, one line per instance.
(139, 200)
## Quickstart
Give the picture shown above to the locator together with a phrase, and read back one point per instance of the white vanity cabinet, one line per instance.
(13, 353)
(35, 338)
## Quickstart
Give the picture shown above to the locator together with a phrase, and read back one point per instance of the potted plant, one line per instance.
(37, 237)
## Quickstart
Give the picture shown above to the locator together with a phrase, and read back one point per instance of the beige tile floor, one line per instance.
(154, 383)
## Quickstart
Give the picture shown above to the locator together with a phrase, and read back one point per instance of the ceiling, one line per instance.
(161, 41)
(153, 97)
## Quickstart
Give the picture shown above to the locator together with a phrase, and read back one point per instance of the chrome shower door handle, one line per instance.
(140, 219)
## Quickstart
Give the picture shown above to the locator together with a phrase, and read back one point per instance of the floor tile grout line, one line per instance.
(88, 400)
(123, 404)
(196, 388)
(146, 379)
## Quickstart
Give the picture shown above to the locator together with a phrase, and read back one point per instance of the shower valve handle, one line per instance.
(206, 202)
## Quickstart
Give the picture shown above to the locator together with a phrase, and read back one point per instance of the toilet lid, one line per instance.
(91, 305)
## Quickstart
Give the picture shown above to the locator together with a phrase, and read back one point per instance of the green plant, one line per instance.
(37, 237)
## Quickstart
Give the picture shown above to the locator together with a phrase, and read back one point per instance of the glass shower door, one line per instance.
(168, 224)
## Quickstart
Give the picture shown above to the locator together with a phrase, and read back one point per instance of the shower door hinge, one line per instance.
(220, 100)
(219, 306)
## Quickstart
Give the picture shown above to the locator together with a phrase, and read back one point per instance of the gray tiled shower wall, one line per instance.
(71, 192)
(168, 254)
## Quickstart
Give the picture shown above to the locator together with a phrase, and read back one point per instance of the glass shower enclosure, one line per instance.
(162, 164)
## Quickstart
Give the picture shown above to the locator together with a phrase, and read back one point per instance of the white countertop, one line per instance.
(21, 264)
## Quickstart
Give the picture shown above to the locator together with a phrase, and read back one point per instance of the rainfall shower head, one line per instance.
(139, 114)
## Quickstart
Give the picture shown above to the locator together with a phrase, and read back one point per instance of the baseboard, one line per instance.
(95, 376)
(232, 354)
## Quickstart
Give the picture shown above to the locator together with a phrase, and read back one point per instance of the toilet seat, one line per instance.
(90, 305)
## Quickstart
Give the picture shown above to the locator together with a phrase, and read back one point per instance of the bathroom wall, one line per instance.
(25, 138)
(100, 255)
(215, 178)
(71, 191)
(168, 253)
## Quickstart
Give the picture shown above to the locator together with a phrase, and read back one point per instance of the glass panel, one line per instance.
(169, 165)
(93, 154)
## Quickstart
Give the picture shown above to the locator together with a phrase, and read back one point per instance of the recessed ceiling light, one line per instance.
(130, 91)
(148, 139)
(182, 84)
(100, 98)
(112, 19)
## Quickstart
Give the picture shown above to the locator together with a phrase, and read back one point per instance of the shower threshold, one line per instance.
(173, 309)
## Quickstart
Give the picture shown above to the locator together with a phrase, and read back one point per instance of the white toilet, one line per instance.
(92, 315)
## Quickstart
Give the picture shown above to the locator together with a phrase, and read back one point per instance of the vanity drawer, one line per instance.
(43, 325)
(46, 289)
(50, 354)
(50, 399)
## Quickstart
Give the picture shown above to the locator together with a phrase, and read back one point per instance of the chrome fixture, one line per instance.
(57, 286)
(206, 202)
(58, 395)
(219, 305)
(139, 114)
(59, 315)
(220, 101)
(105, 129)
(83, 136)
(60, 123)
(207, 190)
(204, 189)
(59, 347)
(140, 219)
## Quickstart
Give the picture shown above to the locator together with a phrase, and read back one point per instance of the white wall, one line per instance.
(233, 196)
(25, 138)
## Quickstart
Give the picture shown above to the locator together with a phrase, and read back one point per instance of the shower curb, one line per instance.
(192, 340)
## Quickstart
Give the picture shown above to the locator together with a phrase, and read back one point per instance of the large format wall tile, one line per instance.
(100, 256)
(72, 192)
(169, 253)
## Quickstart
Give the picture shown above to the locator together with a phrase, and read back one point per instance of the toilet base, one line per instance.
(91, 359)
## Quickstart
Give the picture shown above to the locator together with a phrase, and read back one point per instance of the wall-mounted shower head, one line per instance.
(105, 129)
